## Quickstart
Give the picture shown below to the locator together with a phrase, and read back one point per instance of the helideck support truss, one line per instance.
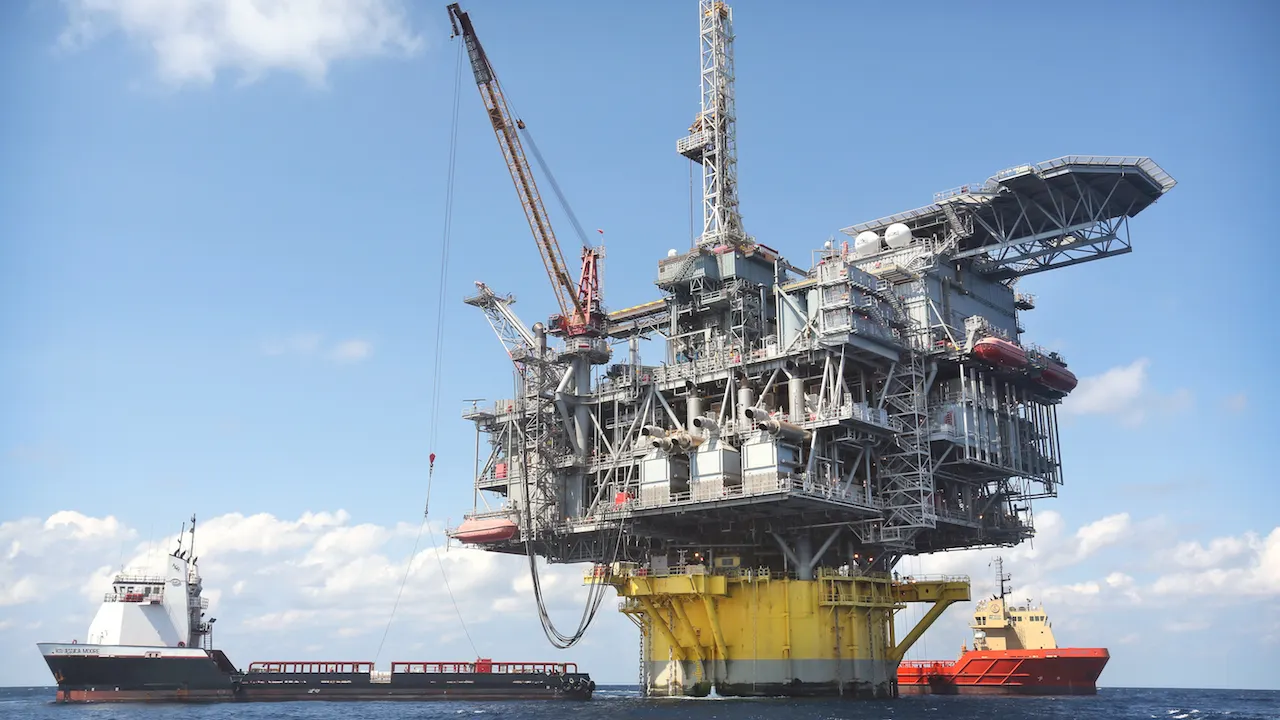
(1033, 218)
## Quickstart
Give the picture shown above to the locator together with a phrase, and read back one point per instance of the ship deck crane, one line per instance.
(581, 310)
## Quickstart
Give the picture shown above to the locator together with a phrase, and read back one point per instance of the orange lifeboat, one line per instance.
(1058, 377)
(1000, 352)
(485, 530)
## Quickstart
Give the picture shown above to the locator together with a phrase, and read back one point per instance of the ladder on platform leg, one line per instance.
(644, 660)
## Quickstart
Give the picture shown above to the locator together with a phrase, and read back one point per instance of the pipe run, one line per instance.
(780, 428)
(676, 441)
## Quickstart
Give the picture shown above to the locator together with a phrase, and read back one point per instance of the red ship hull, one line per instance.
(1061, 671)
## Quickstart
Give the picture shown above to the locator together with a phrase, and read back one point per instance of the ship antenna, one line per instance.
(1002, 576)
(192, 553)
(178, 553)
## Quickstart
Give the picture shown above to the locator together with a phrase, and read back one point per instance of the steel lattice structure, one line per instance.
(880, 403)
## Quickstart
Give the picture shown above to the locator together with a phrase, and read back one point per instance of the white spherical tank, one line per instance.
(867, 243)
(897, 235)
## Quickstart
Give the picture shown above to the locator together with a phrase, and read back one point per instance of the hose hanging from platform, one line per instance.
(595, 596)
(435, 385)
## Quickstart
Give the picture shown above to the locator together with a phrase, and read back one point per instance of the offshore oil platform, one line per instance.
(749, 495)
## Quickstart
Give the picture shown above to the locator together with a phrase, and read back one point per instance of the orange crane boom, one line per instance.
(579, 302)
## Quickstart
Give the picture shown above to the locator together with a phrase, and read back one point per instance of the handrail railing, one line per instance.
(311, 666)
(483, 665)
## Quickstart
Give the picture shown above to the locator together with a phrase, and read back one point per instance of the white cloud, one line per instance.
(82, 526)
(22, 591)
(194, 40)
(352, 351)
(1222, 551)
(344, 352)
(1124, 393)
(1101, 533)
(1111, 393)
(1258, 575)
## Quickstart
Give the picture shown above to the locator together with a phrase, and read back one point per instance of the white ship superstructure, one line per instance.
(150, 615)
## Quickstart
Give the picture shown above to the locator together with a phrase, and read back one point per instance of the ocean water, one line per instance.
(624, 703)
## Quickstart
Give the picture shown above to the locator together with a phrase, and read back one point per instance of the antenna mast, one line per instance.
(712, 136)
(1002, 576)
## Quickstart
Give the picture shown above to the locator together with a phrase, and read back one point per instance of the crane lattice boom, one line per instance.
(566, 290)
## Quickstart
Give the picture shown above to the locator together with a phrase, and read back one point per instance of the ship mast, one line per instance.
(1002, 576)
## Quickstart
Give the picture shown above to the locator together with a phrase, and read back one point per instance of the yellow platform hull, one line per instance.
(752, 633)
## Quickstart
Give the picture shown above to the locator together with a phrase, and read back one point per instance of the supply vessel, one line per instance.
(149, 641)
(1014, 653)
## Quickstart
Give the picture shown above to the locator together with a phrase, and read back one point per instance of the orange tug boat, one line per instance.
(1014, 653)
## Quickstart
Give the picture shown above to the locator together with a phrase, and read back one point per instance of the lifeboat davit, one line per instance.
(1058, 377)
(486, 530)
(1000, 352)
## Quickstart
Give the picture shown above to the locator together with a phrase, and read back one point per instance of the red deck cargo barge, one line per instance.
(149, 642)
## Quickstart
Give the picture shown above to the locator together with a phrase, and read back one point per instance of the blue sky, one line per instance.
(219, 255)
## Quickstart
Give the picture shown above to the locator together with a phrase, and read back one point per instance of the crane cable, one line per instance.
(435, 384)
(555, 186)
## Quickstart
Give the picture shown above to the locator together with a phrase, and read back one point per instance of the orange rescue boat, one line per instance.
(485, 530)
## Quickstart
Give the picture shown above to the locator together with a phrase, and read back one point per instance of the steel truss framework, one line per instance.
(1033, 218)
(712, 137)
(855, 426)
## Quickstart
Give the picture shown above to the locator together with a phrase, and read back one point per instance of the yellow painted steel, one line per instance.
(941, 593)
(747, 631)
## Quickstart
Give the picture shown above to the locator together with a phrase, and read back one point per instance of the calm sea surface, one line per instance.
(625, 703)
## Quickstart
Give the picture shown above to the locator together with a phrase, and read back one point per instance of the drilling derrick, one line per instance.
(712, 138)
(749, 496)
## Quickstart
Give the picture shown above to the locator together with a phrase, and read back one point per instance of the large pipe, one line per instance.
(582, 413)
(540, 335)
(746, 399)
(674, 441)
(683, 441)
(707, 425)
(693, 410)
(777, 427)
(795, 394)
